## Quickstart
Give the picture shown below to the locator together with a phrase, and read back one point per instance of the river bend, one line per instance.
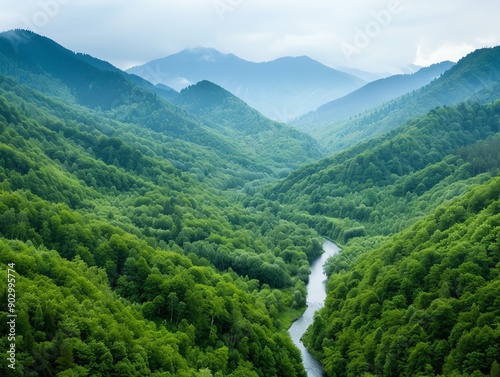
(316, 295)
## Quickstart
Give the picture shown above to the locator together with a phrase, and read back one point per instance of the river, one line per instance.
(316, 295)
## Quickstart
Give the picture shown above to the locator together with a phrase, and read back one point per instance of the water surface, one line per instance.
(316, 295)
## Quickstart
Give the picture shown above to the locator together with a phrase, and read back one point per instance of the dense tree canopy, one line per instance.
(473, 79)
(425, 303)
(153, 238)
(174, 279)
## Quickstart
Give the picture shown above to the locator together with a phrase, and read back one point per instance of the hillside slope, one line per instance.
(267, 141)
(132, 252)
(79, 79)
(371, 95)
(47, 66)
(473, 78)
(379, 187)
(425, 303)
(126, 263)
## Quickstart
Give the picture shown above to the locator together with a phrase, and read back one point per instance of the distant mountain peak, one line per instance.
(475, 77)
(19, 38)
(207, 84)
(206, 54)
(281, 89)
(16, 33)
(207, 88)
(201, 49)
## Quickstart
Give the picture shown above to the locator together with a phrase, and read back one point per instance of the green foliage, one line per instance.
(384, 184)
(420, 306)
(408, 302)
(206, 138)
(144, 243)
(274, 144)
(97, 211)
(473, 79)
(69, 320)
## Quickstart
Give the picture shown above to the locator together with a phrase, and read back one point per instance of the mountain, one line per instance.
(272, 142)
(126, 231)
(364, 75)
(146, 236)
(46, 66)
(379, 186)
(121, 251)
(424, 303)
(82, 75)
(281, 89)
(475, 77)
(417, 213)
(374, 94)
(80, 79)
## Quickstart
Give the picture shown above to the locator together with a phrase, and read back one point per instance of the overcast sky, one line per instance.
(373, 35)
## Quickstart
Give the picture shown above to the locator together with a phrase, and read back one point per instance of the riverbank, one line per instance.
(316, 295)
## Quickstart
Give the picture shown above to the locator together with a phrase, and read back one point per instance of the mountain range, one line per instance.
(123, 217)
(474, 78)
(374, 94)
(159, 233)
(281, 89)
(81, 79)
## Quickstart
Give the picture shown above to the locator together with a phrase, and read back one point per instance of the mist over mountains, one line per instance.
(167, 229)
(374, 94)
(474, 78)
(281, 89)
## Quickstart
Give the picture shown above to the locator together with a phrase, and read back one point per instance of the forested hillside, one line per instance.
(273, 144)
(79, 79)
(130, 260)
(370, 96)
(425, 303)
(414, 292)
(381, 186)
(474, 78)
(143, 239)
(149, 232)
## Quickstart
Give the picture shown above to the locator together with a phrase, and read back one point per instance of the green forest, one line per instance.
(139, 233)
(160, 234)
(475, 78)
(425, 302)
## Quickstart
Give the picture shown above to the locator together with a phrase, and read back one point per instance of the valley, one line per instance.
(316, 295)
(165, 233)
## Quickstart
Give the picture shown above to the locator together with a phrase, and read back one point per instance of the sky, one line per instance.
(371, 35)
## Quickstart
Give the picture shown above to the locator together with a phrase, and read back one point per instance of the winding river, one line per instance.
(316, 295)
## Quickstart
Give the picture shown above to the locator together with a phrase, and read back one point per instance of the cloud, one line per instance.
(454, 52)
(129, 33)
